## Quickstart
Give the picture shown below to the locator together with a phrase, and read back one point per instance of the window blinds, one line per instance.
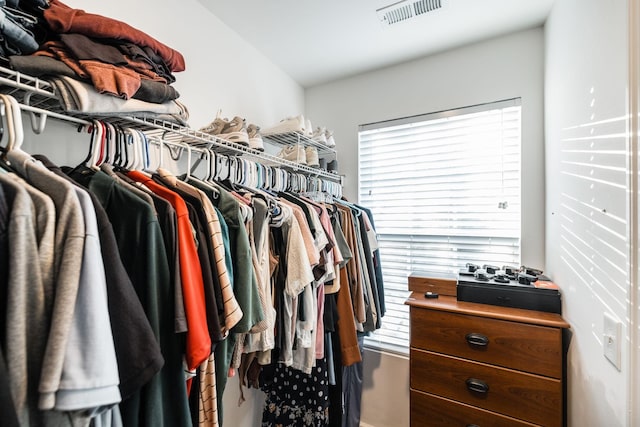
(444, 189)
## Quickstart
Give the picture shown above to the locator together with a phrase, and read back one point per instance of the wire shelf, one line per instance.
(39, 98)
(292, 138)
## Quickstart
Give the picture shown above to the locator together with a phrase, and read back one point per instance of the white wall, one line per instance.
(634, 211)
(501, 68)
(586, 215)
(223, 72)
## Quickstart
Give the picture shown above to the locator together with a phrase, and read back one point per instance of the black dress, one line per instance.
(295, 399)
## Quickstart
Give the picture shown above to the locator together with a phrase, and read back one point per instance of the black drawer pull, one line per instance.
(477, 386)
(473, 425)
(478, 340)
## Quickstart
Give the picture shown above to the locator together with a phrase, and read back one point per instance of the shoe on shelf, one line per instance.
(332, 166)
(329, 136)
(287, 125)
(319, 136)
(312, 157)
(308, 129)
(294, 153)
(322, 164)
(255, 139)
(235, 131)
(215, 127)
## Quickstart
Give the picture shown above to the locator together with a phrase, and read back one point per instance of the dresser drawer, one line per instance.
(521, 395)
(434, 411)
(520, 346)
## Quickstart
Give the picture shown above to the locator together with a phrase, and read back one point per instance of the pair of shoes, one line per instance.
(233, 131)
(308, 129)
(294, 153)
(319, 136)
(328, 134)
(215, 127)
(255, 139)
(287, 125)
(296, 124)
(300, 154)
(323, 136)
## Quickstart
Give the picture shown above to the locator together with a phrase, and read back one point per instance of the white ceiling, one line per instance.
(315, 41)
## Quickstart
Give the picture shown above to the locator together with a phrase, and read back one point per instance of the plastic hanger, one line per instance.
(115, 160)
(8, 131)
(222, 168)
(132, 148)
(111, 137)
(188, 174)
(206, 154)
(144, 151)
(160, 153)
(93, 129)
(210, 156)
(97, 145)
(211, 170)
(17, 123)
(122, 144)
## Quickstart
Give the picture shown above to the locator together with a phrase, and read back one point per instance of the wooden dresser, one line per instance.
(478, 365)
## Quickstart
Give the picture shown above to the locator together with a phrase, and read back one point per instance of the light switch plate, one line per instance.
(611, 339)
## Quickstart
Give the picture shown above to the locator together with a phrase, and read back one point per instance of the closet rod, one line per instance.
(182, 145)
(201, 138)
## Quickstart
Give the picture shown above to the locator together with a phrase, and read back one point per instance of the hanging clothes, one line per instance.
(80, 283)
(193, 280)
(7, 408)
(137, 351)
(198, 342)
(244, 285)
(24, 294)
(138, 236)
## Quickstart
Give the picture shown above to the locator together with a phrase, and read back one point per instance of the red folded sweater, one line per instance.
(63, 19)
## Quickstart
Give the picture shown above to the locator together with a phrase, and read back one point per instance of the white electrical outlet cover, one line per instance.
(611, 339)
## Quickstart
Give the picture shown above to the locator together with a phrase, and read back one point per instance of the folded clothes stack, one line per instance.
(21, 27)
(114, 58)
(79, 97)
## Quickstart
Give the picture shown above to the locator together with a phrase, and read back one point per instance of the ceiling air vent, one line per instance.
(406, 9)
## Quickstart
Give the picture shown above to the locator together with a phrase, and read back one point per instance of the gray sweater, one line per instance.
(27, 315)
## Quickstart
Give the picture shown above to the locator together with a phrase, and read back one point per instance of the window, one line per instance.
(444, 189)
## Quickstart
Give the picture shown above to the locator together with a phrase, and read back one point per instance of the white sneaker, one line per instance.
(312, 157)
(287, 125)
(255, 139)
(319, 136)
(330, 141)
(308, 129)
(294, 153)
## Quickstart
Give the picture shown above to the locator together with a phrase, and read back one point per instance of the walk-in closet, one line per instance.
(345, 214)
